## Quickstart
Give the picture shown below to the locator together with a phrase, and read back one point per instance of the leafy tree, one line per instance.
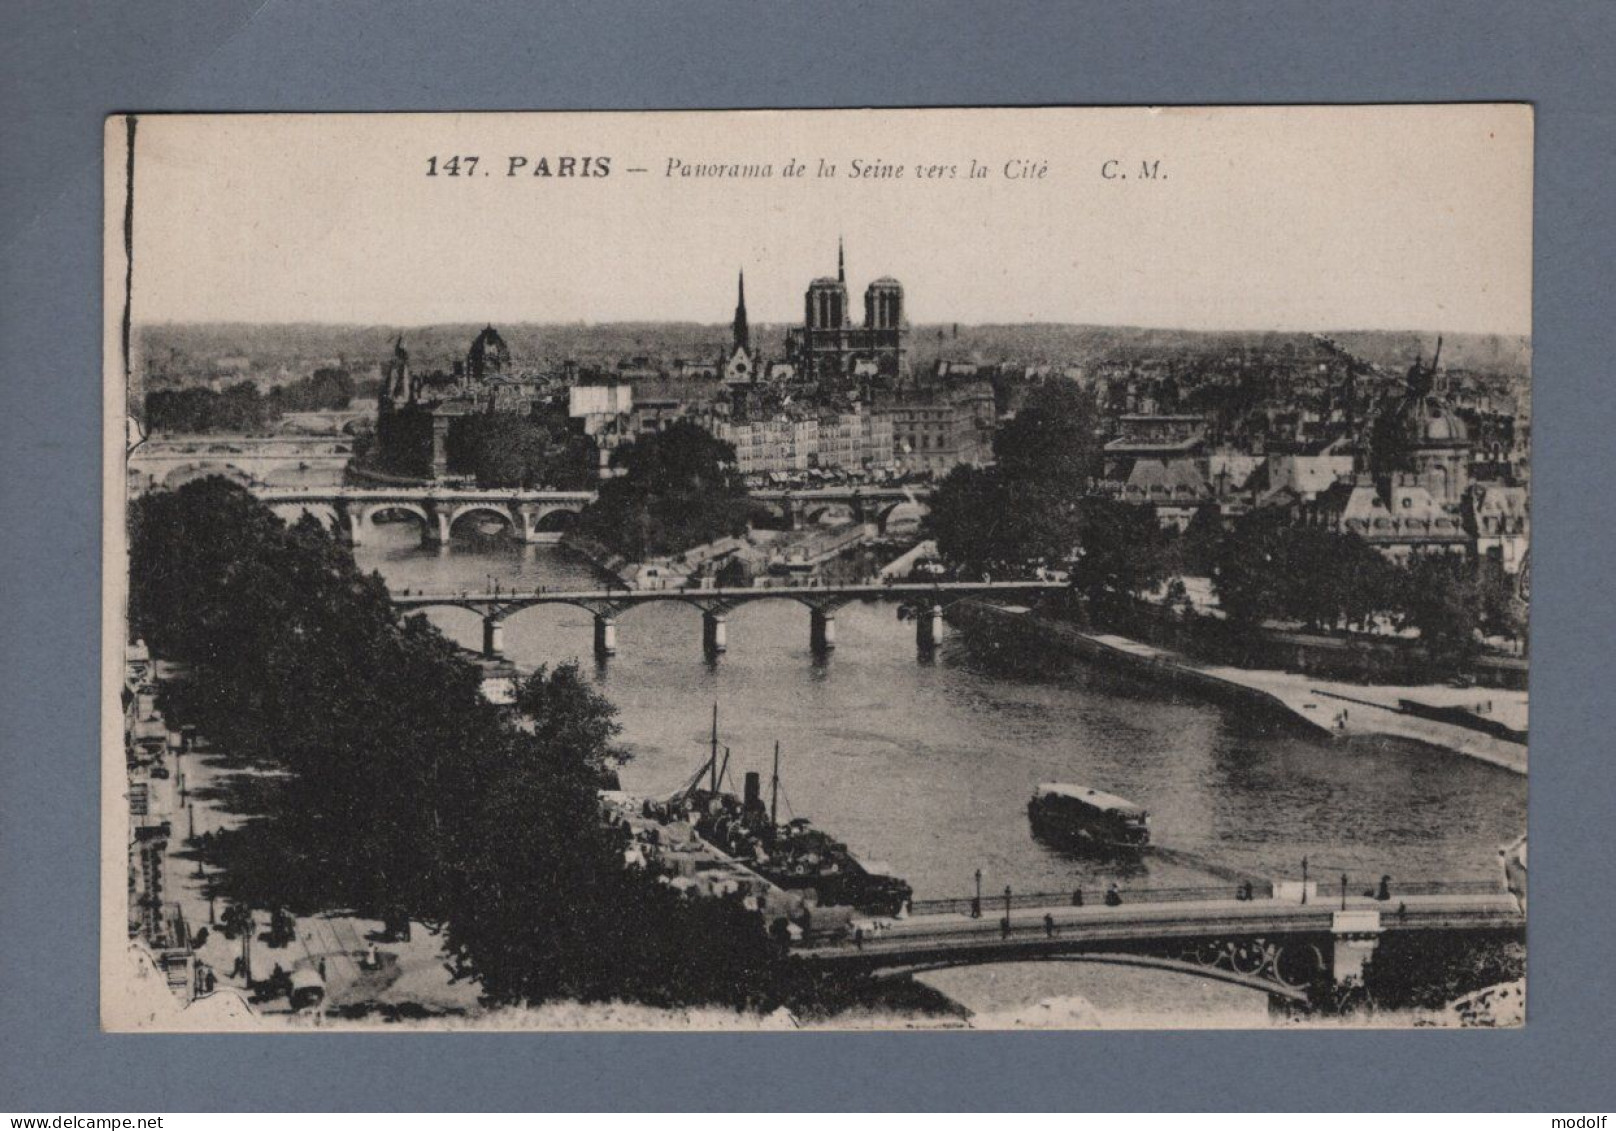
(567, 714)
(1052, 440)
(1124, 551)
(1503, 612)
(1444, 602)
(403, 787)
(1196, 547)
(1264, 568)
(1246, 568)
(985, 524)
(967, 507)
(501, 449)
(677, 489)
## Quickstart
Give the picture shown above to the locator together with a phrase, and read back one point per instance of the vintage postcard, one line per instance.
(948, 568)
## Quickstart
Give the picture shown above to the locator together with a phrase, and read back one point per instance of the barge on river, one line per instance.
(1078, 814)
(792, 855)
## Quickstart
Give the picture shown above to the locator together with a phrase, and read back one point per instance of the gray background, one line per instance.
(65, 65)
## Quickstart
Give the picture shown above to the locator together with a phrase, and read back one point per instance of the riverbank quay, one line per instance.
(201, 959)
(1324, 708)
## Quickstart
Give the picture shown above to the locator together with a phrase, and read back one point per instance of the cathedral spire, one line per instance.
(841, 263)
(743, 334)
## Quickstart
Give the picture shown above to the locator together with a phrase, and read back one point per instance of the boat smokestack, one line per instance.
(753, 789)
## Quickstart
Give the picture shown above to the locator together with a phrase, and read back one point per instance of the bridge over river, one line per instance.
(543, 514)
(1289, 944)
(925, 602)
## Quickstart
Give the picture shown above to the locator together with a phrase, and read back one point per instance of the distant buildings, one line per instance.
(934, 432)
(1413, 491)
(794, 441)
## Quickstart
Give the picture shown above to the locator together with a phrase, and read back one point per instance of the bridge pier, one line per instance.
(493, 637)
(436, 531)
(351, 523)
(929, 627)
(821, 629)
(605, 636)
(714, 633)
(1357, 934)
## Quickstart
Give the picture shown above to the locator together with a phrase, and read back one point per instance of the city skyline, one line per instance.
(1415, 221)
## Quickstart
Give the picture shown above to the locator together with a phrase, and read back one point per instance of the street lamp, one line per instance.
(1304, 879)
(1343, 891)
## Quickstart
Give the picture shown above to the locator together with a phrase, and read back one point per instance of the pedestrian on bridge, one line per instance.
(1049, 925)
(1113, 896)
(1077, 897)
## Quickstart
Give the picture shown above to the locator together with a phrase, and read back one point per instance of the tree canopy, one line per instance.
(1265, 568)
(402, 787)
(1027, 507)
(241, 407)
(676, 489)
(1052, 440)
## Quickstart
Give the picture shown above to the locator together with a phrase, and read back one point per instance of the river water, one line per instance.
(926, 765)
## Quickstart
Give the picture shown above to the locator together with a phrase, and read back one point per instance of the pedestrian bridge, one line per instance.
(925, 602)
(1282, 945)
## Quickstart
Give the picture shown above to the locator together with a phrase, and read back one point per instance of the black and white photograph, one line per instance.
(928, 569)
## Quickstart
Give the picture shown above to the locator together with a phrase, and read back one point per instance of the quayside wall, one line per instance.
(1033, 629)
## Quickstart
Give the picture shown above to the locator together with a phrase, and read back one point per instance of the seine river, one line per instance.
(927, 765)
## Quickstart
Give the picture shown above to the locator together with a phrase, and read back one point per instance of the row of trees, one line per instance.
(1036, 505)
(242, 408)
(1265, 569)
(403, 788)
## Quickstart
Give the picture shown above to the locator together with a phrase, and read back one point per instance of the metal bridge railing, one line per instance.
(1092, 895)
(994, 904)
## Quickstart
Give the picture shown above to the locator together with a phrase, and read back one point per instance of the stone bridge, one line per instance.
(260, 461)
(1289, 948)
(924, 602)
(529, 516)
(545, 515)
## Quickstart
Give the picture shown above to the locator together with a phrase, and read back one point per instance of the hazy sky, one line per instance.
(1286, 218)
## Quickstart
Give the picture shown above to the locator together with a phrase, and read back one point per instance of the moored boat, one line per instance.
(792, 855)
(1062, 811)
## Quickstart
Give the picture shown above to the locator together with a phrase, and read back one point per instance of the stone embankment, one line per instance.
(1318, 706)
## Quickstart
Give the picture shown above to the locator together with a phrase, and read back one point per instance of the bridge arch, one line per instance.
(1144, 961)
(487, 510)
(903, 517)
(556, 519)
(830, 514)
(388, 512)
(777, 515)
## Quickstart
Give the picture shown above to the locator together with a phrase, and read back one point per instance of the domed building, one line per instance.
(1411, 495)
(1421, 442)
